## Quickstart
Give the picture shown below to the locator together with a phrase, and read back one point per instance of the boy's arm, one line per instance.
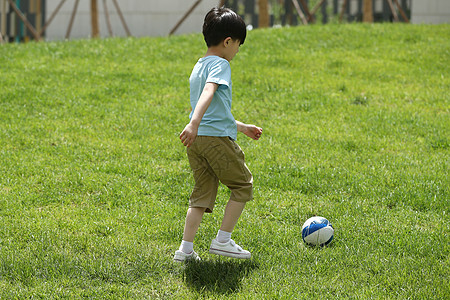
(251, 131)
(189, 133)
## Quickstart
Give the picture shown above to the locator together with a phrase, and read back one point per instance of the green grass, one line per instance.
(94, 182)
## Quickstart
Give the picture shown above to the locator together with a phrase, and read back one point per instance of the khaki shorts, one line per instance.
(215, 159)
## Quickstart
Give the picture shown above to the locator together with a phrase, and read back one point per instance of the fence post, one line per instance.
(394, 12)
(368, 11)
(25, 21)
(250, 16)
(324, 12)
(263, 7)
(3, 24)
(402, 12)
(288, 13)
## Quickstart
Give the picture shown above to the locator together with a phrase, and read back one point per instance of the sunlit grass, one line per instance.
(94, 182)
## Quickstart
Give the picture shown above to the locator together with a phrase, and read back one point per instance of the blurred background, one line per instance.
(24, 20)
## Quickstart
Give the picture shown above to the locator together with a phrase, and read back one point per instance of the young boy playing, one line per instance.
(210, 137)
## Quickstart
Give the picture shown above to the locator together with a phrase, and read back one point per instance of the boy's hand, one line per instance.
(189, 134)
(251, 131)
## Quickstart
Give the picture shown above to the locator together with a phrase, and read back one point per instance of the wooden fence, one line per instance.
(12, 28)
(284, 12)
(21, 20)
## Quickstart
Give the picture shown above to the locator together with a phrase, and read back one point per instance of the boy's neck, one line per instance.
(214, 51)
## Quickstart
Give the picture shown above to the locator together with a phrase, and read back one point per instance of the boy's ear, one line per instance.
(227, 41)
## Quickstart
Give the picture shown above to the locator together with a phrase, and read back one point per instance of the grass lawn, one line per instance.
(94, 182)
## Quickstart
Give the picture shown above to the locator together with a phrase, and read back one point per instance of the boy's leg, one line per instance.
(223, 244)
(233, 211)
(193, 219)
(232, 171)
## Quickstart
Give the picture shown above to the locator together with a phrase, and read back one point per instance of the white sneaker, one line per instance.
(180, 256)
(230, 249)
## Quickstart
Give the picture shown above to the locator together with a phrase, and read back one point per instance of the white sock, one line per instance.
(223, 236)
(187, 247)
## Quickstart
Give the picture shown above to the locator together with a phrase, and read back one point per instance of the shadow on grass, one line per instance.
(223, 277)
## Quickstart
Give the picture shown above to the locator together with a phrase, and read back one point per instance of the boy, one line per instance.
(210, 137)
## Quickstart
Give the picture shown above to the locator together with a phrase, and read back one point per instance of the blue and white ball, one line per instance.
(317, 231)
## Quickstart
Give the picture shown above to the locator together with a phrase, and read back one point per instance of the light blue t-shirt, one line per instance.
(217, 120)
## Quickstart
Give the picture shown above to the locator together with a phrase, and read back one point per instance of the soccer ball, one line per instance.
(317, 231)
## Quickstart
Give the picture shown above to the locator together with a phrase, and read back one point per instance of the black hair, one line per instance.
(220, 23)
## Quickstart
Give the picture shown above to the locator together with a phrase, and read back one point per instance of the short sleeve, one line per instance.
(220, 73)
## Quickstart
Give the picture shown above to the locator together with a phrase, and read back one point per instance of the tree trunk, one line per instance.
(94, 19)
